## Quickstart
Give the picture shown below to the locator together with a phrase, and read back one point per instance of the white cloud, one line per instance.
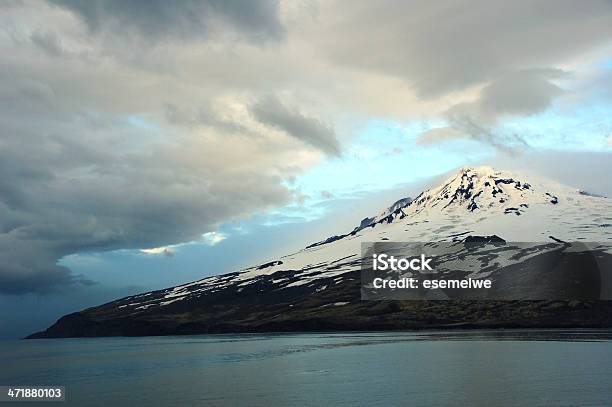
(213, 238)
(166, 251)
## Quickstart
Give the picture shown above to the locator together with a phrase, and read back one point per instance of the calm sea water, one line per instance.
(475, 368)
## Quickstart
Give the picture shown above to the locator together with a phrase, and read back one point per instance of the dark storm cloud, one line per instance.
(444, 46)
(68, 186)
(272, 112)
(29, 265)
(50, 209)
(257, 20)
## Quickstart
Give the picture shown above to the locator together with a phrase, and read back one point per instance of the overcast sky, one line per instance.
(144, 144)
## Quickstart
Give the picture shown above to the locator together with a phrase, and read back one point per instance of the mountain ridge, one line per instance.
(301, 291)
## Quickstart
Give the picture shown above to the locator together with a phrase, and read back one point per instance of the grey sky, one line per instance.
(159, 20)
(129, 125)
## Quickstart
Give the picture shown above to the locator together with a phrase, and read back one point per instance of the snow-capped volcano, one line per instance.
(483, 189)
(324, 276)
(481, 200)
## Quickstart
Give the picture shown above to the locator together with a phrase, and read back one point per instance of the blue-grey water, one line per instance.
(475, 368)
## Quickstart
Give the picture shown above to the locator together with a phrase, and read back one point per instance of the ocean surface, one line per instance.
(467, 368)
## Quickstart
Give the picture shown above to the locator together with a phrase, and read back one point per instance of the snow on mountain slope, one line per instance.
(475, 201)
